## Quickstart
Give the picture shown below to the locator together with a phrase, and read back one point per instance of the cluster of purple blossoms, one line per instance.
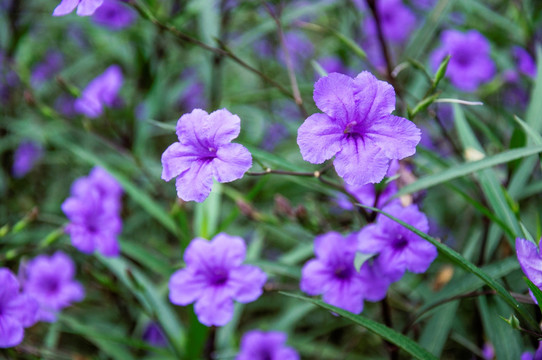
(470, 62)
(25, 157)
(50, 281)
(17, 310)
(262, 345)
(214, 276)
(357, 128)
(94, 213)
(84, 7)
(100, 92)
(204, 151)
(333, 273)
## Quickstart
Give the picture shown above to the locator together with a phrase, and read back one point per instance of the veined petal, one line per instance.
(373, 97)
(334, 95)
(223, 127)
(189, 127)
(231, 163)
(315, 277)
(195, 183)
(176, 159)
(371, 239)
(530, 260)
(360, 162)
(319, 138)
(420, 254)
(396, 136)
(197, 252)
(65, 7)
(248, 281)
(228, 251)
(346, 294)
(185, 287)
(87, 7)
(214, 308)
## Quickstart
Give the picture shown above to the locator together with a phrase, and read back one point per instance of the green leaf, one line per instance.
(405, 343)
(536, 292)
(461, 170)
(437, 329)
(459, 260)
(441, 72)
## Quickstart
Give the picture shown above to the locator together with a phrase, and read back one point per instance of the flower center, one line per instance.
(400, 243)
(350, 127)
(342, 272)
(219, 277)
(50, 285)
(462, 58)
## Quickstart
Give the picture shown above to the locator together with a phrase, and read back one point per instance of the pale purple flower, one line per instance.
(333, 274)
(214, 276)
(530, 259)
(488, 351)
(262, 345)
(50, 280)
(357, 128)
(17, 311)
(525, 63)
(25, 157)
(114, 14)
(84, 7)
(375, 282)
(470, 63)
(100, 92)
(398, 248)
(93, 210)
(530, 356)
(205, 151)
(193, 95)
(47, 68)
(299, 47)
(396, 19)
(154, 335)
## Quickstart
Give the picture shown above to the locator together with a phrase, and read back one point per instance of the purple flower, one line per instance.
(100, 92)
(470, 64)
(396, 19)
(154, 335)
(114, 15)
(299, 47)
(333, 274)
(93, 210)
(398, 248)
(25, 157)
(525, 62)
(261, 345)
(357, 128)
(49, 280)
(84, 7)
(17, 311)
(193, 96)
(205, 151)
(530, 260)
(530, 356)
(47, 68)
(214, 277)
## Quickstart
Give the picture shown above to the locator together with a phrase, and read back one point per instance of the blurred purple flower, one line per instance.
(398, 248)
(261, 345)
(470, 63)
(488, 351)
(530, 259)
(274, 134)
(47, 68)
(205, 151)
(100, 92)
(154, 335)
(299, 47)
(193, 96)
(214, 277)
(396, 19)
(375, 281)
(114, 15)
(530, 356)
(333, 274)
(525, 63)
(93, 210)
(25, 157)
(357, 128)
(84, 7)
(49, 280)
(17, 311)
(8, 79)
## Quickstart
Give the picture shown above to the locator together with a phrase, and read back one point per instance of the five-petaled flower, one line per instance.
(204, 151)
(265, 345)
(50, 281)
(214, 277)
(333, 274)
(17, 311)
(357, 128)
(84, 7)
(399, 248)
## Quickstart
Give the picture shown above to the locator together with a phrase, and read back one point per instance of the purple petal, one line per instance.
(229, 251)
(24, 308)
(371, 239)
(334, 95)
(361, 162)
(195, 183)
(329, 244)
(375, 283)
(221, 127)
(185, 287)
(347, 295)
(81, 238)
(197, 252)
(108, 245)
(319, 138)
(213, 308)
(87, 7)
(176, 159)
(396, 136)
(189, 126)
(248, 281)
(530, 260)
(315, 277)
(231, 163)
(10, 284)
(65, 7)
(420, 254)
(11, 331)
(374, 98)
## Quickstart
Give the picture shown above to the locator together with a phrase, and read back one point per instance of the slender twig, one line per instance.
(281, 172)
(383, 45)
(223, 50)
